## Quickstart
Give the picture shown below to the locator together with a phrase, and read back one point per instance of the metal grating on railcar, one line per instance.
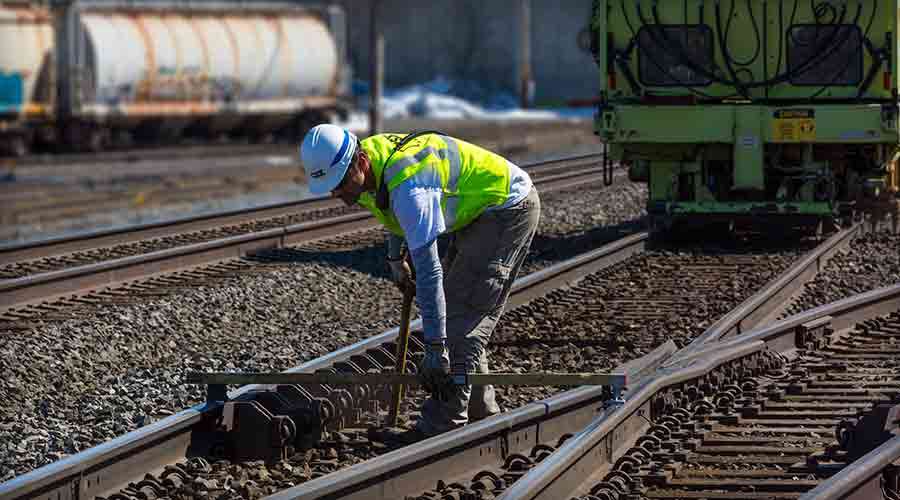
(671, 55)
(825, 54)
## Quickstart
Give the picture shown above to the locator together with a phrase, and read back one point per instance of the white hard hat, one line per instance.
(326, 153)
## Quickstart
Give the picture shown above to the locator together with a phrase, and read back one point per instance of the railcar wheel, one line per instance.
(96, 139)
(15, 145)
(122, 138)
(86, 137)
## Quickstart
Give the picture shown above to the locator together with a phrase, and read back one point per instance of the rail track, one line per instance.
(502, 134)
(505, 447)
(773, 413)
(36, 273)
(22, 259)
(68, 193)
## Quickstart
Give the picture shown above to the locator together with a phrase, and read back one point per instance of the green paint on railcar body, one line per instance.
(756, 107)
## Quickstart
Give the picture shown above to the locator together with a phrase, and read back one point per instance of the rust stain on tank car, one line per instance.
(170, 109)
(254, 26)
(235, 51)
(145, 85)
(27, 14)
(204, 45)
(42, 43)
(282, 53)
(167, 22)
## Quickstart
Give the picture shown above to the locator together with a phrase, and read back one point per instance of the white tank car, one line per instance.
(158, 70)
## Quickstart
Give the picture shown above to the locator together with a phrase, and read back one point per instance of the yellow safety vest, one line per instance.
(472, 178)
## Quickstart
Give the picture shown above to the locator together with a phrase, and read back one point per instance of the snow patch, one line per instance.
(444, 99)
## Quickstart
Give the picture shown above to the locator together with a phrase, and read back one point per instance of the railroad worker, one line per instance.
(420, 186)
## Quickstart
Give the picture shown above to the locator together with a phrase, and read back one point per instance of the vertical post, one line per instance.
(376, 68)
(526, 85)
(65, 57)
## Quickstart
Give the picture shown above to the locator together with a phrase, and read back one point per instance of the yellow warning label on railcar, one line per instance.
(794, 125)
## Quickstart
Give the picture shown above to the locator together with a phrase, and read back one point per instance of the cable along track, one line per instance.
(106, 469)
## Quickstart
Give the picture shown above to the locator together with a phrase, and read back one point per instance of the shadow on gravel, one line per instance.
(545, 250)
(368, 258)
(549, 249)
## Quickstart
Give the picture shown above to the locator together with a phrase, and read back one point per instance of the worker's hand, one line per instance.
(435, 369)
(402, 274)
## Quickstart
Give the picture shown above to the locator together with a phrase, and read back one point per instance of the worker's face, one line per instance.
(354, 182)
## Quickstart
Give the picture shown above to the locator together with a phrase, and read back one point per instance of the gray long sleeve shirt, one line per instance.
(429, 286)
(416, 202)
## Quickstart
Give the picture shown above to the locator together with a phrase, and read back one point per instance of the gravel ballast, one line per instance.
(585, 327)
(871, 261)
(74, 383)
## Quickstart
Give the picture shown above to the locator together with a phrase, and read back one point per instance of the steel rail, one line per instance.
(106, 468)
(354, 482)
(120, 461)
(465, 129)
(38, 161)
(413, 468)
(29, 290)
(59, 246)
(562, 474)
(764, 305)
(860, 480)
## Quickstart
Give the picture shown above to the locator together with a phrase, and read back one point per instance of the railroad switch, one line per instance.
(271, 424)
(254, 433)
(814, 335)
(614, 400)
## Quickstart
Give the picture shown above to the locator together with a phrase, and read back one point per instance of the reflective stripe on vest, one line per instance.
(450, 153)
(487, 176)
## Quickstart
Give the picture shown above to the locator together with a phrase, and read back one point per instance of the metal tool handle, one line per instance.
(400, 355)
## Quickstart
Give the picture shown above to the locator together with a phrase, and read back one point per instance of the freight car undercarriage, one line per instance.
(753, 111)
(740, 170)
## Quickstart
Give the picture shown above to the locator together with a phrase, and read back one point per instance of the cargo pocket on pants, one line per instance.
(486, 292)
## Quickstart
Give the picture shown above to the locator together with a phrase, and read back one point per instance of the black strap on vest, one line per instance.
(382, 195)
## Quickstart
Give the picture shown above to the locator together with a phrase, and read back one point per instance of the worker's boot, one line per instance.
(483, 402)
(395, 437)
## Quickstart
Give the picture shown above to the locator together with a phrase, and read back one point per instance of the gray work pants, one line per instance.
(482, 265)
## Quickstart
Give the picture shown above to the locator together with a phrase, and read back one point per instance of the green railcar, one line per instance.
(763, 110)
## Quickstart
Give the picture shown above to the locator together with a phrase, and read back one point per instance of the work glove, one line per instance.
(402, 274)
(435, 369)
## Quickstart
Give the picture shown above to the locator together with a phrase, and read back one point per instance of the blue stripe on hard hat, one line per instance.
(344, 146)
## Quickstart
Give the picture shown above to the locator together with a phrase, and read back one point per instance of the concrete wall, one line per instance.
(477, 40)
